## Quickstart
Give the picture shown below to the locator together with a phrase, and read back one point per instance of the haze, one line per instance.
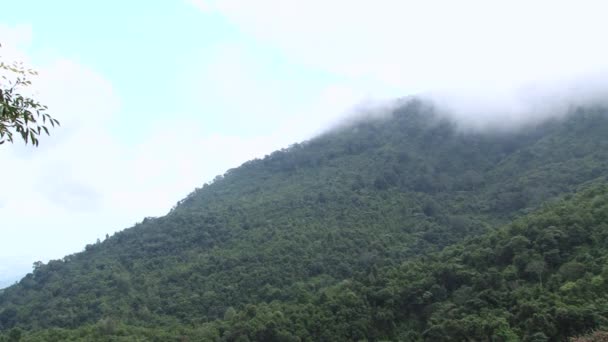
(156, 98)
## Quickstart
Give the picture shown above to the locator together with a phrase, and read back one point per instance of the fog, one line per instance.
(523, 105)
(494, 109)
(489, 64)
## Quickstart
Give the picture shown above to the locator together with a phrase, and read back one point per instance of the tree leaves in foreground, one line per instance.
(19, 113)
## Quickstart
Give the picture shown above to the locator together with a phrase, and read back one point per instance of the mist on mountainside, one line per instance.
(493, 108)
(530, 103)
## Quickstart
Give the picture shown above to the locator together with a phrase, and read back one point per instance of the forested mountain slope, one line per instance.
(280, 239)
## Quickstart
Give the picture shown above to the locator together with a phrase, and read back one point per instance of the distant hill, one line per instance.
(11, 270)
(383, 229)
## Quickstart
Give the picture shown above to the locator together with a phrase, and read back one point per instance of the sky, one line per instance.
(156, 98)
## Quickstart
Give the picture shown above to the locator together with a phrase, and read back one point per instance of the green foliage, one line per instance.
(20, 113)
(403, 228)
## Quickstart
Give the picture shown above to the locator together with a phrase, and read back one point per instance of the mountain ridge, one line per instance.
(351, 203)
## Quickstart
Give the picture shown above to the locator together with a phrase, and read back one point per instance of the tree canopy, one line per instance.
(395, 229)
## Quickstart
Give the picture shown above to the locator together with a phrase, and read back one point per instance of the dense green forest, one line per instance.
(400, 228)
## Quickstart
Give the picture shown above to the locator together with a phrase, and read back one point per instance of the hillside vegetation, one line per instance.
(396, 228)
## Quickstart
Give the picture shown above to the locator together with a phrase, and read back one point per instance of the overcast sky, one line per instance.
(157, 97)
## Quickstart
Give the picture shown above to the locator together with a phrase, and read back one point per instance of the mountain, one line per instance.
(399, 227)
(10, 270)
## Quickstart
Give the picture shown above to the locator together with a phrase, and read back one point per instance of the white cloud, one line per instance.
(51, 204)
(418, 46)
(242, 91)
(12, 40)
